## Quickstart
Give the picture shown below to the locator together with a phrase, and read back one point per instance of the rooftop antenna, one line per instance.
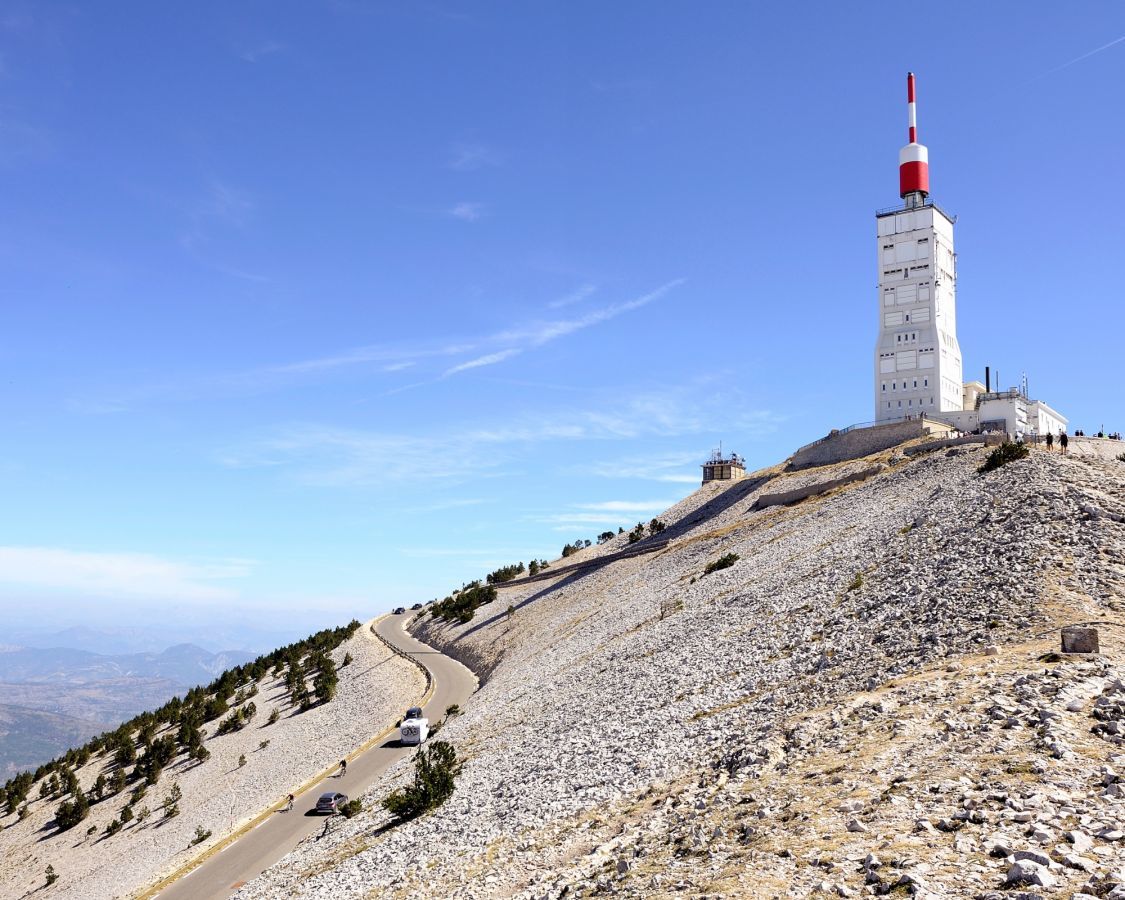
(914, 158)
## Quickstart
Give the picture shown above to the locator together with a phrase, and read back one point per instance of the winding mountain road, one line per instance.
(226, 869)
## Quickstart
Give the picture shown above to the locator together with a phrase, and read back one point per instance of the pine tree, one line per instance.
(71, 812)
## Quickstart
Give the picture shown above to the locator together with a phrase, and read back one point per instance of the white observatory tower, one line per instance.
(917, 358)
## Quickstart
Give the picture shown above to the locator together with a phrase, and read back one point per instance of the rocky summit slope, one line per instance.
(863, 703)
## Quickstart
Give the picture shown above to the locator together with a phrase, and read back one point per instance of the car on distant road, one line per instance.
(330, 802)
(399, 610)
(416, 606)
(415, 727)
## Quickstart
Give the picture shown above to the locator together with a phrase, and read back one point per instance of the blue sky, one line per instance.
(315, 308)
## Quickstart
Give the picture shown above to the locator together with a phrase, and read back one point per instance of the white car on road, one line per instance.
(415, 727)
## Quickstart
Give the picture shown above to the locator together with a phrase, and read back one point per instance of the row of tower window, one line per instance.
(906, 386)
(910, 403)
(905, 271)
(917, 316)
(904, 251)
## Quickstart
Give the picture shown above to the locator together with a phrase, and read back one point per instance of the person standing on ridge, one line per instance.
(1050, 441)
(1063, 441)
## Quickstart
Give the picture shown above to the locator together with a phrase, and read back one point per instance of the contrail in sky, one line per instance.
(1079, 59)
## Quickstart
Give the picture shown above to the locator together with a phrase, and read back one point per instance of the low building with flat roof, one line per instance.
(724, 468)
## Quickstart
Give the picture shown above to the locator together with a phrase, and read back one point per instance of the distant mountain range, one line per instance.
(184, 664)
(52, 698)
(116, 641)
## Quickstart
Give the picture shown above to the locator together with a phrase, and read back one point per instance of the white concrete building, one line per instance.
(918, 370)
(1010, 412)
(917, 357)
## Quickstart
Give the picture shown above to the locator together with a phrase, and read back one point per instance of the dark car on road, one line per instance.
(416, 606)
(399, 610)
(330, 802)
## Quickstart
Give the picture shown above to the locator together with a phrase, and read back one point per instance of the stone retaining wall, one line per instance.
(859, 442)
(786, 498)
(986, 439)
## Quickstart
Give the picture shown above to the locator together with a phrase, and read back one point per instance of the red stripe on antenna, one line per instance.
(909, 87)
(913, 135)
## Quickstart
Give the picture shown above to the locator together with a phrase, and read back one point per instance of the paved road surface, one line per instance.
(261, 847)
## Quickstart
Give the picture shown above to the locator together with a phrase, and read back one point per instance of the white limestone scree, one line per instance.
(917, 357)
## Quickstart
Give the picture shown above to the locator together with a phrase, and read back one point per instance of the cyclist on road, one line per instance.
(289, 805)
(343, 768)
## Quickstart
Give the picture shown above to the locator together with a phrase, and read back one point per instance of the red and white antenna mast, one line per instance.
(914, 158)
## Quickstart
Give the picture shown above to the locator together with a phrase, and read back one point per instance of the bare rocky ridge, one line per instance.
(759, 731)
(218, 795)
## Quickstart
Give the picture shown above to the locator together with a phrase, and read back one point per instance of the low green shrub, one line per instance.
(723, 562)
(435, 772)
(1007, 452)
(351, 808)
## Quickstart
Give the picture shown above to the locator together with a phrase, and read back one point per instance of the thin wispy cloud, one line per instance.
(668, 468)
(607, 512)
(470, 156)
(467, 212)
(261, 50)
(517, 340)
(482, 351)
(628, 505)
(570, 521)
(227, 203)
(543, 332)
(116, 575)
(326, 455)
(23, 142)
(490, 359)
(1078, 59)
(395, 358)
(573, 297)
(220, 207)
